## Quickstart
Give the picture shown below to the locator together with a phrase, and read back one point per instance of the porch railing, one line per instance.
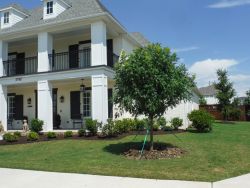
(20, 66)
(70, 60)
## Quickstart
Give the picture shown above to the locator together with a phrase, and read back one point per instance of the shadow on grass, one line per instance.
(121, 148)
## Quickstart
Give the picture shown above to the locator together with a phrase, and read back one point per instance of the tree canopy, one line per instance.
(247, 100)
(149, 81)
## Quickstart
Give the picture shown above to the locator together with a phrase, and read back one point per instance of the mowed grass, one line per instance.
(222, 154)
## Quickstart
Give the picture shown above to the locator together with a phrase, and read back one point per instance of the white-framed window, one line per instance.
(6, 18)
(87, 104)
(50, 7)
(11, 107)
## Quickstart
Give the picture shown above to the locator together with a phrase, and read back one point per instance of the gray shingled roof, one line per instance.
(208, 91)
(140, 38)
(80, 8)
(17, 7)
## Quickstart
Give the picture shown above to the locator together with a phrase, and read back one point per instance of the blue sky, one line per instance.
(206, 34)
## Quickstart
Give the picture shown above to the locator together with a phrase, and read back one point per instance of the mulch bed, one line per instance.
(60, 136)
(161, 151)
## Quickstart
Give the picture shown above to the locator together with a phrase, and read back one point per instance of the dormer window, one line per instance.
(6, 19)
(50, 7)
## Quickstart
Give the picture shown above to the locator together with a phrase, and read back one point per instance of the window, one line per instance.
(87, 104)
(6, 17)
(50, 7)
(11, 107)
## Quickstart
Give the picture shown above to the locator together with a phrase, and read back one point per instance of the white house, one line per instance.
(56, 61)
(209, 94)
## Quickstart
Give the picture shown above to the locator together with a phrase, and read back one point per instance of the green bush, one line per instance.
(68, 134)
(81, 132)
(51, 135)
(32, 136)
(156, 126)
(201, 120)
(167, 128)
(161, 122)
(176, 123)
(8, 137)
(140, 125)
(234, 114)
(122, 126)
(129, 124)
(17, 134)
(92, 126)
(36, 125)
(110, 129)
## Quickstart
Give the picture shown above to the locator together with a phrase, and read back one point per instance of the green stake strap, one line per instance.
(144, 143)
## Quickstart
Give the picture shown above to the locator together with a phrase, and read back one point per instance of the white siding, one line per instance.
(58, 8)
(14, 17)
(211, 100)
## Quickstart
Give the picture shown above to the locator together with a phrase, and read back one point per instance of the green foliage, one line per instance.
(68, 134)
(201, 120)
(8, 137)
(161, 122)
(247, 100)
(51, 135)
(234, 113)
(156, 126)
(17, 134)
(92, 126)
(36, 125)
(122, 126)
(140, 124)
(225, 92)
(81, 132)
(32, 136)
(110, 129)
(167, 128)
(176, 123)
(202, 100)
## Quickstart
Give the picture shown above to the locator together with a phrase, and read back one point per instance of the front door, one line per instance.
(75, 105)
(56, 121)
(20, 63)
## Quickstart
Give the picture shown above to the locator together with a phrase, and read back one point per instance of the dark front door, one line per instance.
(110, 53)
(73, 56)
(75, 106)
(248, 112)
(110, 103)
(19, 107)
(20, 63)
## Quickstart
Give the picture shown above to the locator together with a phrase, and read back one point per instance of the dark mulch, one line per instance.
(161, 151)
(60, 136)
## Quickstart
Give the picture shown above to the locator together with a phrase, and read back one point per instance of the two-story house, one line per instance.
(56, 63)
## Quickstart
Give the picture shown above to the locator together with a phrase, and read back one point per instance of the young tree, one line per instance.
(149, 81)
(202, 100)
(225, 92)
(247, 100)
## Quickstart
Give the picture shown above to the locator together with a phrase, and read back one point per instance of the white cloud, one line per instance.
(229, 3)
(205, 72)
(186, 49)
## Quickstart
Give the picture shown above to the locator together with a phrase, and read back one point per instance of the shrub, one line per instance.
(202, 120)
(234, 114)
(51, 135)
(122, 126)
(140, 125)
(8, 137)
(110, 129)
(156, 126)
(68, 134)
(176, 123)
(36, 125)
(81, 132)
(167, 128)
(17, 134)
(129, 124)
(32, 136)
(92, 126)
(161, 122)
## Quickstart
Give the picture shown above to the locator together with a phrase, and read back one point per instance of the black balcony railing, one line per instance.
(20, 66)
(70, 60)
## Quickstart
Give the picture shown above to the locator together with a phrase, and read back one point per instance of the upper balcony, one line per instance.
(69, 49)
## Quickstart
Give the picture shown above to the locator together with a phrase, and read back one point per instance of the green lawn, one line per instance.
(224, 153)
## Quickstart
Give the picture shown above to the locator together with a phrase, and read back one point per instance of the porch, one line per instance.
(72, 101)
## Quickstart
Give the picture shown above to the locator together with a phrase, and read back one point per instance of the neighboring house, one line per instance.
(209, 94)
(56, 63)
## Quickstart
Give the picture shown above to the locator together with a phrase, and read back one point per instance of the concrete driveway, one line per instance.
(11, 178)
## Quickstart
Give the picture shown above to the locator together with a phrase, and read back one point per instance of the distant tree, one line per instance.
(202, 100)
(247, 100)
(225, 92)
(149, 81)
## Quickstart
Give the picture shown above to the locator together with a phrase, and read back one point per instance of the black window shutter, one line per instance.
(20, 63)
(75, 109)
(19, 107)
(73, 56)
(110, 103)
(110, 52)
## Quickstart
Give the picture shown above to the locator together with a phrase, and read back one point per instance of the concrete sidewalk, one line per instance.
(11, 178)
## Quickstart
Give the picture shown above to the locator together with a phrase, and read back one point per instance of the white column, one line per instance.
(100, 98)
(3, 106)
(45, 47)
(3, 56)
(98, 44)
(45, 106)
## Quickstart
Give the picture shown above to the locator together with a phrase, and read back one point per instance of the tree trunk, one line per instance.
(151, 119)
